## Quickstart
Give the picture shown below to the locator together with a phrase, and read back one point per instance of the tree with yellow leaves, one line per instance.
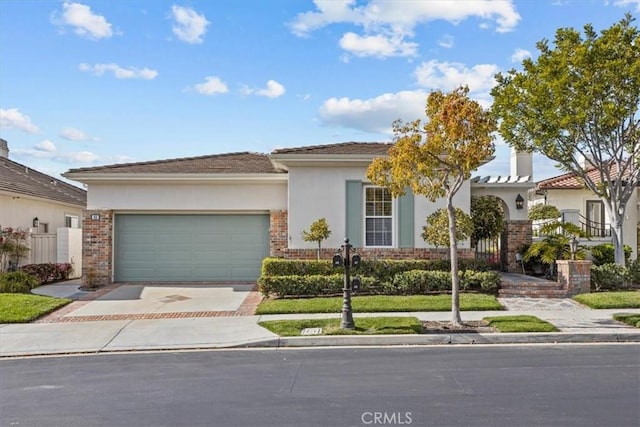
(434, 159)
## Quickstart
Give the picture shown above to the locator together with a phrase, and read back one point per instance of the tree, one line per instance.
(436, 232)
(318, 232)
(542, 212)
(435, 158)
(13, 247)
(488, 218)
(579, 100)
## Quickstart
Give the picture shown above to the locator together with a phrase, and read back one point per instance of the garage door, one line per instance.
(189, 248)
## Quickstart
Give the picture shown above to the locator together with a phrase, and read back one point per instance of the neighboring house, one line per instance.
(49, 208)
(580, 206)
(214, 218)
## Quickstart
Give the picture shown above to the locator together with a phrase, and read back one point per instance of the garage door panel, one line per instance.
(189, 247)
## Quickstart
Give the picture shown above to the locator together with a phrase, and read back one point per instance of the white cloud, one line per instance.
(73, 134)
(378, 46)
(211, 86)
(273, 90)
(84, 21)
(120, 72)
(520, 55)
(628, 3)
(396, 20)
(189, 26)
(77, 157)
(447, 41)
(46, 146)
(374, 114)
(13, 118)
(446, 76)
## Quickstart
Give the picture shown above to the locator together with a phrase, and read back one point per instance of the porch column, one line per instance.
(516, 233)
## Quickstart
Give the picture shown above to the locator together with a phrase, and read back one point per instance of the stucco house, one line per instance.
(214, 218)
(48, 207)
(580, 206)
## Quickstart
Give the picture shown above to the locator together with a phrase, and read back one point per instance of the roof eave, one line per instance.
(95, 177)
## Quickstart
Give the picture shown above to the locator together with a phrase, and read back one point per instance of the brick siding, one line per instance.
(516, 234)
(97, 248)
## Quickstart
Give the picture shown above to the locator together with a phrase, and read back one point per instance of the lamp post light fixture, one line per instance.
(573, 247)
(347, 261)
(36, 222)
(519, 202)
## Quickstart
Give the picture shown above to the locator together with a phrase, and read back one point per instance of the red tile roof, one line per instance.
(570, 181)
(21, 179)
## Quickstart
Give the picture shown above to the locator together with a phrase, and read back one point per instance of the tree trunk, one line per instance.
(319, 245)
(618, 242)
(455, 280)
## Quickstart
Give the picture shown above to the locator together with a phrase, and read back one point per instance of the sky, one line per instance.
(92, 83)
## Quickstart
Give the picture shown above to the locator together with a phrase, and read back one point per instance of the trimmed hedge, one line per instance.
(416, 282)
(311, 285)
(610, 277)
(17, 282)
(47, 273)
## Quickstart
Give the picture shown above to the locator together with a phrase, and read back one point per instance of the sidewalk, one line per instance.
(156, 317)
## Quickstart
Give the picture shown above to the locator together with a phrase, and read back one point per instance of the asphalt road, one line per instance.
(560, 385)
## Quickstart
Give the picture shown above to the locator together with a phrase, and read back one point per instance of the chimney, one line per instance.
(4, 149)
(521, 163)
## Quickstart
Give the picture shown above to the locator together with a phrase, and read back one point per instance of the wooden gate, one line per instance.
(43, 248)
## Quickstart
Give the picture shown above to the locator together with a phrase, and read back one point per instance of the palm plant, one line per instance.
(555, 244)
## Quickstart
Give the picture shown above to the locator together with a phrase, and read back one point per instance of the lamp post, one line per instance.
(573, 247)
(346, 261)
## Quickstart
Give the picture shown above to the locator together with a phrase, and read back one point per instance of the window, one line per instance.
(378, 214)
(595, 218)
(71, 221)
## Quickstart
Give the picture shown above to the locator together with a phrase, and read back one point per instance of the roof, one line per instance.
(570, 181)
(357, 148)
(231, 163)
(20, 179)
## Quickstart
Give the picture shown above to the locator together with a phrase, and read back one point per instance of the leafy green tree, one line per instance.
(579, 100)
(436, 231)
(488, 218)
(541, 212)
(434, 159)
(318, 231)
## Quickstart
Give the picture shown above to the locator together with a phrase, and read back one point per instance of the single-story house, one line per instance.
(49, 208)
(215, 217)
(580, 206)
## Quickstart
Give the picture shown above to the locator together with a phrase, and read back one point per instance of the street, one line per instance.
(550, 385)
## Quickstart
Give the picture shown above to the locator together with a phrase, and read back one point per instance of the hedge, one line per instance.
(311, 285)
(421, 282)
(17, 282)
(47, 273)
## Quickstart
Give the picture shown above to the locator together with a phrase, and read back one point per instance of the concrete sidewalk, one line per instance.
(144, 317)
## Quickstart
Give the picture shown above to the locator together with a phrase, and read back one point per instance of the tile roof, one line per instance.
(20, 179)
(231, 163)
(570, 181)
(362, 148)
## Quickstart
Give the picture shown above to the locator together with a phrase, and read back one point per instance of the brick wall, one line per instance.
(515, 234)
(279, 243)
(97, 247)
(574, 276)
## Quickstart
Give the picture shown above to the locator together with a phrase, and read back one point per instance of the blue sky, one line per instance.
(98, 82)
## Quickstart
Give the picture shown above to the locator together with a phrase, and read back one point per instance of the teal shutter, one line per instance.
(406, 220)
(353, 203)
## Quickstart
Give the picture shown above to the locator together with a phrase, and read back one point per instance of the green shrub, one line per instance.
(608, 277)
(309, 286)
(416, 282)
(634, 271)
(605, 253)
(17, 282)
(480, 281)
(295, 267)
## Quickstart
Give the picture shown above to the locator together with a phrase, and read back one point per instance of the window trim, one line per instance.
(600, 230)
(71, 216)
(394, 219)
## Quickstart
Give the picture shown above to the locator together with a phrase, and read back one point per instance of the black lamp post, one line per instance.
(346, 261)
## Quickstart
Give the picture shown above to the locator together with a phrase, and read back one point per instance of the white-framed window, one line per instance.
(71, 221)
(378, 217)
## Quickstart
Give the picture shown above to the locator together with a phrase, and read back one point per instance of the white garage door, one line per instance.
(190, 248)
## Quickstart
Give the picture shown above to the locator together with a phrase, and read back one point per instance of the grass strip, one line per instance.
(632, 319)
(23, 308)
(363, 326)
(619, 299)
(520, 324)
(379, 304)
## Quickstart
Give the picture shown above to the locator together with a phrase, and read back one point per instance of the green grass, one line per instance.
(363, 326)
(379, 304)
(620, 299)
(23, 308)
(628, 318)
(520, 324)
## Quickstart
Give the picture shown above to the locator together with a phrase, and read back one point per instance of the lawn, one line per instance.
(620, 299)
(379, 304)
(520, 324)
(628, 318)
(363, 326)
(23, 308)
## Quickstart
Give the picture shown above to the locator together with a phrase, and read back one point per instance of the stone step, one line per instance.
(541, 293)
(529, 285)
